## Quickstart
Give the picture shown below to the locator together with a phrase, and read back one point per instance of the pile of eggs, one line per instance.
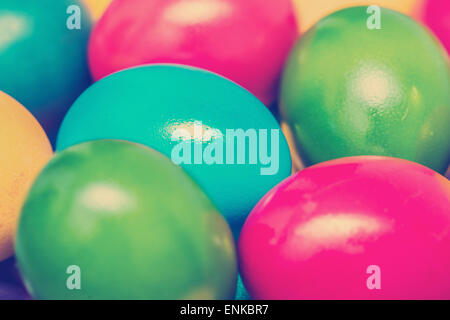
(224, 149)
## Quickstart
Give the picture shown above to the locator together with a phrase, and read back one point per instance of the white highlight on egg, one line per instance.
(12, 27)
(191, 12)
(195, 131)
(106, 197)
(343, 232)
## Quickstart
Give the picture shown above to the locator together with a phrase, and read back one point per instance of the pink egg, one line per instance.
(352, 228)
(244, 40)
(436, 15)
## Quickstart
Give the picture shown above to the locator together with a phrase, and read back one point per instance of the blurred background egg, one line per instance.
(435, 14)
(96, 8)
(24, 150)
(43, 63)
(246, 41)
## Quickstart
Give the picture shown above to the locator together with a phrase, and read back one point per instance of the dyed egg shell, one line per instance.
(246, 41)
(168, 106)
(24, 151)
(128, 223)
(435, 14)
(372, 97)
(321, 233)
(43, 63)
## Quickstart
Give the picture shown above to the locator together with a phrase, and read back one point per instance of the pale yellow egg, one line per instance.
(24, 151)
(97, 7)
(311, 11)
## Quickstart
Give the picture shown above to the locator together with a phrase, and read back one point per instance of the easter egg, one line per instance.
(96, 7)
(435, 14)
(351, 90)
(24, 150)
(353, 228)
(310, 12)
(224, 137)
(118, 220)
(43, 59)
(246, 41)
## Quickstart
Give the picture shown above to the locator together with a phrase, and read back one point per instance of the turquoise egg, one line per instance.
(223, 136)
(43, 60)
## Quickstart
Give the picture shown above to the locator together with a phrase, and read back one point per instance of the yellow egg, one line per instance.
(24, 150)
(97, 7)
(311, 11)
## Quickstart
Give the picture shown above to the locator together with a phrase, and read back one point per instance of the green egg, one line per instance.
(351, 89)
(116, 220)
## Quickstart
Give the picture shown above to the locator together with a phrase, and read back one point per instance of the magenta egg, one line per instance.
(436, 15)
(352, 228)
(244, 40)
